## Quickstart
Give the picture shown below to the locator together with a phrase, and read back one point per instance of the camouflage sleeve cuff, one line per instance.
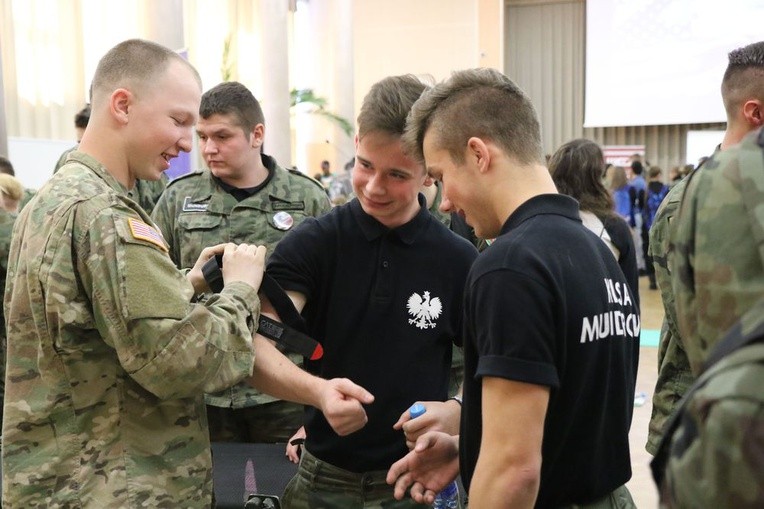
(249, 297)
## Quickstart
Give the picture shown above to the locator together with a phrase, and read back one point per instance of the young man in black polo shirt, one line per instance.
(380, 283)
(551, 329)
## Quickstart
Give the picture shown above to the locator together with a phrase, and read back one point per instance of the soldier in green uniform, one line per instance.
(743, 95)
(711, 453)
(243, 196)
(6, 227)
(109, 355)
(718, 264)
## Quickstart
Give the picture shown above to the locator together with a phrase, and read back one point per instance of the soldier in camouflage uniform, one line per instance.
(6, 227)
(742, 85)
(244, 196)
(712, 450)
(108, 357)
(718, 265)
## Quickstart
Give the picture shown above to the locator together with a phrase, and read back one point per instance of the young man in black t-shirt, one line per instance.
(551, 329)
(380, 284)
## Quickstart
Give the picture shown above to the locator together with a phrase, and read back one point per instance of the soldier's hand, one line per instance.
(195, 275)
(244, 262)
(342, 405)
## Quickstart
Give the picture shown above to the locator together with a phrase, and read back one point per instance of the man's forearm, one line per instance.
(276, 375)
(516, 488)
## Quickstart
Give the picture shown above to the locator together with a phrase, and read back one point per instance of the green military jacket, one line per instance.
(714, 454)
(108, 359)
(195, 212)
(674, 375)
(145, 193)
(6, 228)
(718, 264)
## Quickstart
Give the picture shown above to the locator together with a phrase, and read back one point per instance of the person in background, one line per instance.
(6, 167)
(11, 192)
(81, 119)
(654, 195)
(619, 189)
(242, 195)
(577, 170)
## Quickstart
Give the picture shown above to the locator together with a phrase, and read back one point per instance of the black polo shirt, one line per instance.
(547, 304)
(387, 305)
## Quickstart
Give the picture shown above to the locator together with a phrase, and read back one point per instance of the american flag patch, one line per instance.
(142, 231)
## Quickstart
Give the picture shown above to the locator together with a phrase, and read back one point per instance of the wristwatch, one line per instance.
(457, 398)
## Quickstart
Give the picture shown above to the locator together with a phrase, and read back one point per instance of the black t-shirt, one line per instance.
(547, 304)
(387, 305)
(620, 236)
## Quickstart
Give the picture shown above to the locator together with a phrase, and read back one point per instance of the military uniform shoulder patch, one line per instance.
(144, 231)
(307, 177)
(185, 176)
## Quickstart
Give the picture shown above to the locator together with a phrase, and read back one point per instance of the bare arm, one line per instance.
(509, 464)
(340, 400)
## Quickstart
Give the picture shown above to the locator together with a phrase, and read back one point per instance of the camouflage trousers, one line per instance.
(319, 485)
(268, 423)
(620, 498)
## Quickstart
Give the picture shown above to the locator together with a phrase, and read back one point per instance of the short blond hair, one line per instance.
(11, 187)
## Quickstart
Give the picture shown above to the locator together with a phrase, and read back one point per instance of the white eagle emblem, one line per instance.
(424, 310)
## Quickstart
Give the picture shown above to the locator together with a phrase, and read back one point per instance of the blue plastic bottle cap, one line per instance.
(416, 410)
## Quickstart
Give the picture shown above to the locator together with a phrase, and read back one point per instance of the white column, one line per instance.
(275, 68)
(324, 63)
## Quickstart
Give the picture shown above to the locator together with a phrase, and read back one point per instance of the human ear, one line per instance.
(258, 136)
(478, 152)
(752, 111)
(119, 104)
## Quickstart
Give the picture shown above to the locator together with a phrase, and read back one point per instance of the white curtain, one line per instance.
(50, 49)
(545, 54)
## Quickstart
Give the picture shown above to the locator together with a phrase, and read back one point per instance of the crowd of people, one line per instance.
(451, 264)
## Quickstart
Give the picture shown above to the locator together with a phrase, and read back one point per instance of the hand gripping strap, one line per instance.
(292, 332)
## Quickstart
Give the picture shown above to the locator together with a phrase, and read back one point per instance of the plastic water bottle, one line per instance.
(448, 498)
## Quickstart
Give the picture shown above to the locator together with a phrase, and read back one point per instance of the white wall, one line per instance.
(34, 159)
(394, 37)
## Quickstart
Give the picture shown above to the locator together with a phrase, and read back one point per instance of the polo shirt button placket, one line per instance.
(385, 264)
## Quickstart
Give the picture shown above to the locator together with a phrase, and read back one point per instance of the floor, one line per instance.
(641, 485)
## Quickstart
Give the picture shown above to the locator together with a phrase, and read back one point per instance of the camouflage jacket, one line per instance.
(145, 192)
(713, 449)
(195, 212)
(6, 227)
(718, 263)
(108, 359)
(674, 375)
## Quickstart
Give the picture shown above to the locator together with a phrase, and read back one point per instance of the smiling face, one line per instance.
(385, 180)
(161, 119)
(229, 152)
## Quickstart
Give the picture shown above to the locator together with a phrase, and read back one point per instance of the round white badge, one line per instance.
(283, 220)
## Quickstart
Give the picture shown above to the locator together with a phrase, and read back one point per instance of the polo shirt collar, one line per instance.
(558, 204)
(373, 229)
